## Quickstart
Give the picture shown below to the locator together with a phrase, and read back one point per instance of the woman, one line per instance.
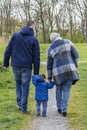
(61, 65)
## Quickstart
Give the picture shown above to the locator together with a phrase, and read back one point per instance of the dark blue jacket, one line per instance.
(24, 50)
(41, 87)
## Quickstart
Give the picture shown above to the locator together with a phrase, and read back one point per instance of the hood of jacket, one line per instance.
(27, 31)
(38, 78)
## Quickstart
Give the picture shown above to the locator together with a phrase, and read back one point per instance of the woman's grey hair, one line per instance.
(54, 36)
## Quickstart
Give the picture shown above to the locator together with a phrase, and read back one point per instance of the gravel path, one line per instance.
(53, 120)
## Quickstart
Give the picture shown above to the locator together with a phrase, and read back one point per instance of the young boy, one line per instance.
(41, 92)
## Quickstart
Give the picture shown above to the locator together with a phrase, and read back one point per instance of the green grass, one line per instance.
(12, 119)
(43, 51)
(2, 48)
(78, 101)
(82, 49)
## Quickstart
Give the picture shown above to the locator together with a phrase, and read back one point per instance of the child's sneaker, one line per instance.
(43, 114)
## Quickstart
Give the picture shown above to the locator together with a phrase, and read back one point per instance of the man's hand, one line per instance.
(49, 79)
(6, 68)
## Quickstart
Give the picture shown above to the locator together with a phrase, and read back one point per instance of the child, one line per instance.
(41, 92)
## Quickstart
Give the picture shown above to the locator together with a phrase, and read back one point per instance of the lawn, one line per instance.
(12, 119)
(82, 48)
(78, 101)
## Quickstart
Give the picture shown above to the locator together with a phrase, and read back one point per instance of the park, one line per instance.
(69, 19)
(12, 119)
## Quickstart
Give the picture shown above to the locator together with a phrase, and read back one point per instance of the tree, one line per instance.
(25, 6)
(6, 8)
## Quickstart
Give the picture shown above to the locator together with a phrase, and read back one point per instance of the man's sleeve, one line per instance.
(34, 81)
(7, 53)
(36, 57)
(49, 66)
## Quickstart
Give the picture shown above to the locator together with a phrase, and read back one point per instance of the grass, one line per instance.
(82, 49)
(12, 119)
(78, 101)
(43, 51)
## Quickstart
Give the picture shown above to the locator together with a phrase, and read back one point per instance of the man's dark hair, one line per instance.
(30, 23)
(43, 76)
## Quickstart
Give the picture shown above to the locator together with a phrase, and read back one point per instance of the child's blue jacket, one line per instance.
(41, 87)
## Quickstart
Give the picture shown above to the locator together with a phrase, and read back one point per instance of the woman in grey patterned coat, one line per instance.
(62, 67)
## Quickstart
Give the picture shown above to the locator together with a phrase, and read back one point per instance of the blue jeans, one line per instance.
(44, 104)
(22, 78)
(62, 95)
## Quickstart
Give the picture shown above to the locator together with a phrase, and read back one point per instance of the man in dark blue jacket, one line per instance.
(24, 51)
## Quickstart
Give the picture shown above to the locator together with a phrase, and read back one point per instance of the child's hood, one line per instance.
(37, 78)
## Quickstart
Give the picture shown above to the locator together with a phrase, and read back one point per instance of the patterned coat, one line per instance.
(62, 61)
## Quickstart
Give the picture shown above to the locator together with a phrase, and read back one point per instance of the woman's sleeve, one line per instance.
(75, 55)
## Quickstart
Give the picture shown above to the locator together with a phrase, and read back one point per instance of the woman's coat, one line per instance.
(62, 62)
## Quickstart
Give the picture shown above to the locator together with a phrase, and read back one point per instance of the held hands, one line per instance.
(46, 80)
(49, 80)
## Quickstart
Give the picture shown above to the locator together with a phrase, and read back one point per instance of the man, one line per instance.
(24, 51)
(61, 65)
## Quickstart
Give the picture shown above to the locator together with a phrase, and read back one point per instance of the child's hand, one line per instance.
(48, 81)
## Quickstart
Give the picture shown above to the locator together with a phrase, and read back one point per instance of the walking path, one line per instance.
(53, 120)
